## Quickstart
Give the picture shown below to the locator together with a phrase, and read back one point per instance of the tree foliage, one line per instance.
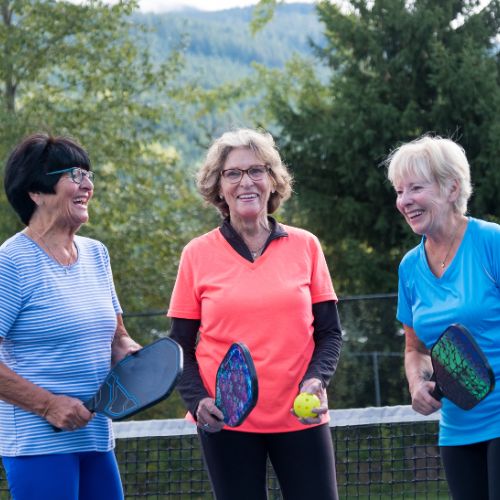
(95, 72)
(80, 70)
(262, 14)
(398, 69)
(219, 90)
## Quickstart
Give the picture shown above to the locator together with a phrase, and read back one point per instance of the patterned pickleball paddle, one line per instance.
(236, 389)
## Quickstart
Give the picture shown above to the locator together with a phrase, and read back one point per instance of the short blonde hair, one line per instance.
(263, 146)
(434, 159)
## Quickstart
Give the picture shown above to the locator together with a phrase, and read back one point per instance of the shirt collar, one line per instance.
(235, 240)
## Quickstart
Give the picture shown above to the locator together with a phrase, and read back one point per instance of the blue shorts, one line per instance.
(87, 475)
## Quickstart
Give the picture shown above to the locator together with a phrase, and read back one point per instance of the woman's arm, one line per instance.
(122, 344)
(418, 368)
(327, 344)
(61, 411)
(190, 386)
(198, 401)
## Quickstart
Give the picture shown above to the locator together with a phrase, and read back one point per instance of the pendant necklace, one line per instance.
(443, 262)
(256, 253)
(42, 240)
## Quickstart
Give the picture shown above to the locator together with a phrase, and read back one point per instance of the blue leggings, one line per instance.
(88, 475)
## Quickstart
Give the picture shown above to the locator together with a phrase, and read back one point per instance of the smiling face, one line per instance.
(424, 206)
(246, 199)
(68, 207)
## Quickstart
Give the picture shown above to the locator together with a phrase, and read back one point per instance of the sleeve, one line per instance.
(109, 274)
(404, 309)
(185, 302)
(493, 252)
(10, 294)
(321, 281)
(190, 386)
(327, 342)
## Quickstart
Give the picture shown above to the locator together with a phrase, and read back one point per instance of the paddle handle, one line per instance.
(88, 404)
(436, 393)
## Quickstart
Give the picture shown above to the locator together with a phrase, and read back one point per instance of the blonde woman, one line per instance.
(452, 276)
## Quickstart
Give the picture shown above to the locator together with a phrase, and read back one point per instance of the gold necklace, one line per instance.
(42, 240)
(443, 262)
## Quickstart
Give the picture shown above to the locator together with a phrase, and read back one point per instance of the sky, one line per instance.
(165, 5)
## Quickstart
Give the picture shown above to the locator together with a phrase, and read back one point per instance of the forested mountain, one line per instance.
(220, 46)
(218, 52)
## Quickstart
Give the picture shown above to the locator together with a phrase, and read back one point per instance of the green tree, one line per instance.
(80, 70)
(77, 68)
(83, 70)
(398, 69)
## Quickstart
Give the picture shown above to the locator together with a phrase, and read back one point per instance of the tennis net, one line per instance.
(381, 453)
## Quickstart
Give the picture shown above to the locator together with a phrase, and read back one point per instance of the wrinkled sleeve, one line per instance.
(185, 301)
(321, 281)
(190, 387)
(10, 294)
(327, 342)
(404, 310)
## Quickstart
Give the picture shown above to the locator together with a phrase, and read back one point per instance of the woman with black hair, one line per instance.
(60, 328)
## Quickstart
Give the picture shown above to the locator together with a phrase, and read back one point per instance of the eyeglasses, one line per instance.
(77, 174)
(255, 172)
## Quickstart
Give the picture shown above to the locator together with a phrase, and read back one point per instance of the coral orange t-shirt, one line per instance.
(267, 304)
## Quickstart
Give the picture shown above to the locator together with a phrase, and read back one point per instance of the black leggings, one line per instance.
(303, 461)
(473, 471)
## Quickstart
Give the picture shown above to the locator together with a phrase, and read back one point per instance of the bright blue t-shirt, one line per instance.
(468, 293)
(56, 326)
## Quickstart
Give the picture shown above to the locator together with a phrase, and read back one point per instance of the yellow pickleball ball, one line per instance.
(304, 403)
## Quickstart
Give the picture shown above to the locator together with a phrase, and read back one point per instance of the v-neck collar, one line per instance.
(449, 269)
(237, 243)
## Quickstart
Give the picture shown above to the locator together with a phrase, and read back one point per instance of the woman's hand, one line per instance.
(208, 416)
(418, 368)
(421, 399)
(314, 386)
(123, 344)
(66, 413)
(63, 412)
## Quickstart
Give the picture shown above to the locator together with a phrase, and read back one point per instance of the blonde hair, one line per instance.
(433, 159)
(263, 146)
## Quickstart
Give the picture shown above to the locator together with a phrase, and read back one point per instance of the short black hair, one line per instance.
(31, 160)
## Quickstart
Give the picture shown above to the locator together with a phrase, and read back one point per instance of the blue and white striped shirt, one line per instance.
(56, 325)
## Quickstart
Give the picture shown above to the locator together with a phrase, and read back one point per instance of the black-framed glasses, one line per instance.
(76, 173)
(255, 172)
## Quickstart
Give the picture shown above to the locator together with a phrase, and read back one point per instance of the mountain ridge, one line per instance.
(219, 44)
